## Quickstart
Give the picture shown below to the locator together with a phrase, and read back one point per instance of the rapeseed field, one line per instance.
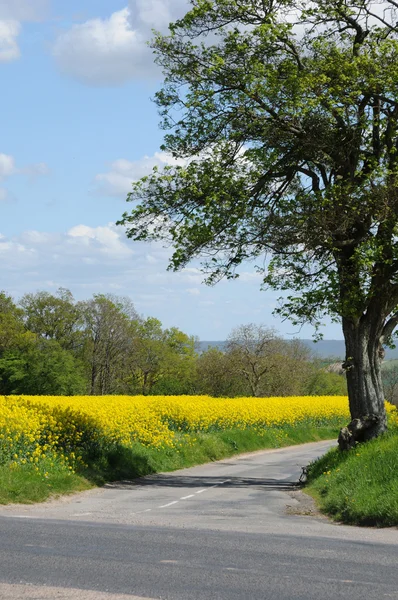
(69, 432)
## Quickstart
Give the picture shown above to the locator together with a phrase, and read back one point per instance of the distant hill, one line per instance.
(322, 349)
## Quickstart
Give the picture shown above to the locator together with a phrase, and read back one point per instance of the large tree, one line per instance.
(162, 361)
(287, 115)
(54, 317)
(269, 365)
(108, 326)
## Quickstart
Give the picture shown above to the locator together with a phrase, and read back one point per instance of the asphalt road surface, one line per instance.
(231, 530)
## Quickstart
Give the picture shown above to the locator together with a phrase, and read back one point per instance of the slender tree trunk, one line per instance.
(364, 383)
(144, 385)
(93, 377)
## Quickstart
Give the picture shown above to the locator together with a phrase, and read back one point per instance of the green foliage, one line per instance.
(101, 346)
(218, 376)
(107, 333)
(53, 317)
(162, 361)
(13, 333)
(44, 368)
(256, 362)
(54, 345)
(322, 383)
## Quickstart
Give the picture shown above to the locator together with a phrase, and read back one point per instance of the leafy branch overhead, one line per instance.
(287, 114)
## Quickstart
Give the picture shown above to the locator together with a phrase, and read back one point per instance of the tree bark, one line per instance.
(364, 383)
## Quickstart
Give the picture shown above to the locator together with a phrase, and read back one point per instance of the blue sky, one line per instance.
(78, 126)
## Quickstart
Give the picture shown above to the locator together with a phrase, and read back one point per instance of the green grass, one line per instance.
(25, 485)
(359, 487)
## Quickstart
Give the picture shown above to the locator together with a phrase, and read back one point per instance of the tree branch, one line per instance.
(388, 328)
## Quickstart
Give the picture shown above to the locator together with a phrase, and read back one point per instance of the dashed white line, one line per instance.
(192, 495)
(219, 483)
(24, 517)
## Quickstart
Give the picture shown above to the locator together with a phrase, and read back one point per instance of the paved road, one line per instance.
(231, 530)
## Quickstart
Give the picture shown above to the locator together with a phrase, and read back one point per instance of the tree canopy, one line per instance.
(286, 114)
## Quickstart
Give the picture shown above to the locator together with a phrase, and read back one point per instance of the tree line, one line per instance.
(53, 344)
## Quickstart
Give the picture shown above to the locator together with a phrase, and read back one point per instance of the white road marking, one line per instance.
(167, 562)
(219, 483)
(201, 491)
(186, 497)
(169, 504)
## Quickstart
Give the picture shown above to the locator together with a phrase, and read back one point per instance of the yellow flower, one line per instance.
(61, 428)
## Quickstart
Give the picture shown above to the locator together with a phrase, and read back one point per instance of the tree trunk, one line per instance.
(364, 383)
(93, 377)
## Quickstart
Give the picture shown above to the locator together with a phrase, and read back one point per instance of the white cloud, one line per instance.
(193, 291)
(90, 260)
(8, 168)
(4, 195)
(104, 241)
(114, 50)
(9, 32)
(117, 181)
(38, 238)
(251, 277)
(35, 170)
(100, 52)
(12, 14)
(95, 257)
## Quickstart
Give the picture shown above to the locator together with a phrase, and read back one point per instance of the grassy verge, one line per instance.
(359, 487)
(26, 485)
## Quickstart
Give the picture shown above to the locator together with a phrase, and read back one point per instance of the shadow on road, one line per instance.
(180, 481)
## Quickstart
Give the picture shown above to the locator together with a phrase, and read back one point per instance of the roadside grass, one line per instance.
(359, 487)
(25, 484)
(196, 449)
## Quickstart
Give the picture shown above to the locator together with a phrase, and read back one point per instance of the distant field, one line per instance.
(322, 349)
(389, 364)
